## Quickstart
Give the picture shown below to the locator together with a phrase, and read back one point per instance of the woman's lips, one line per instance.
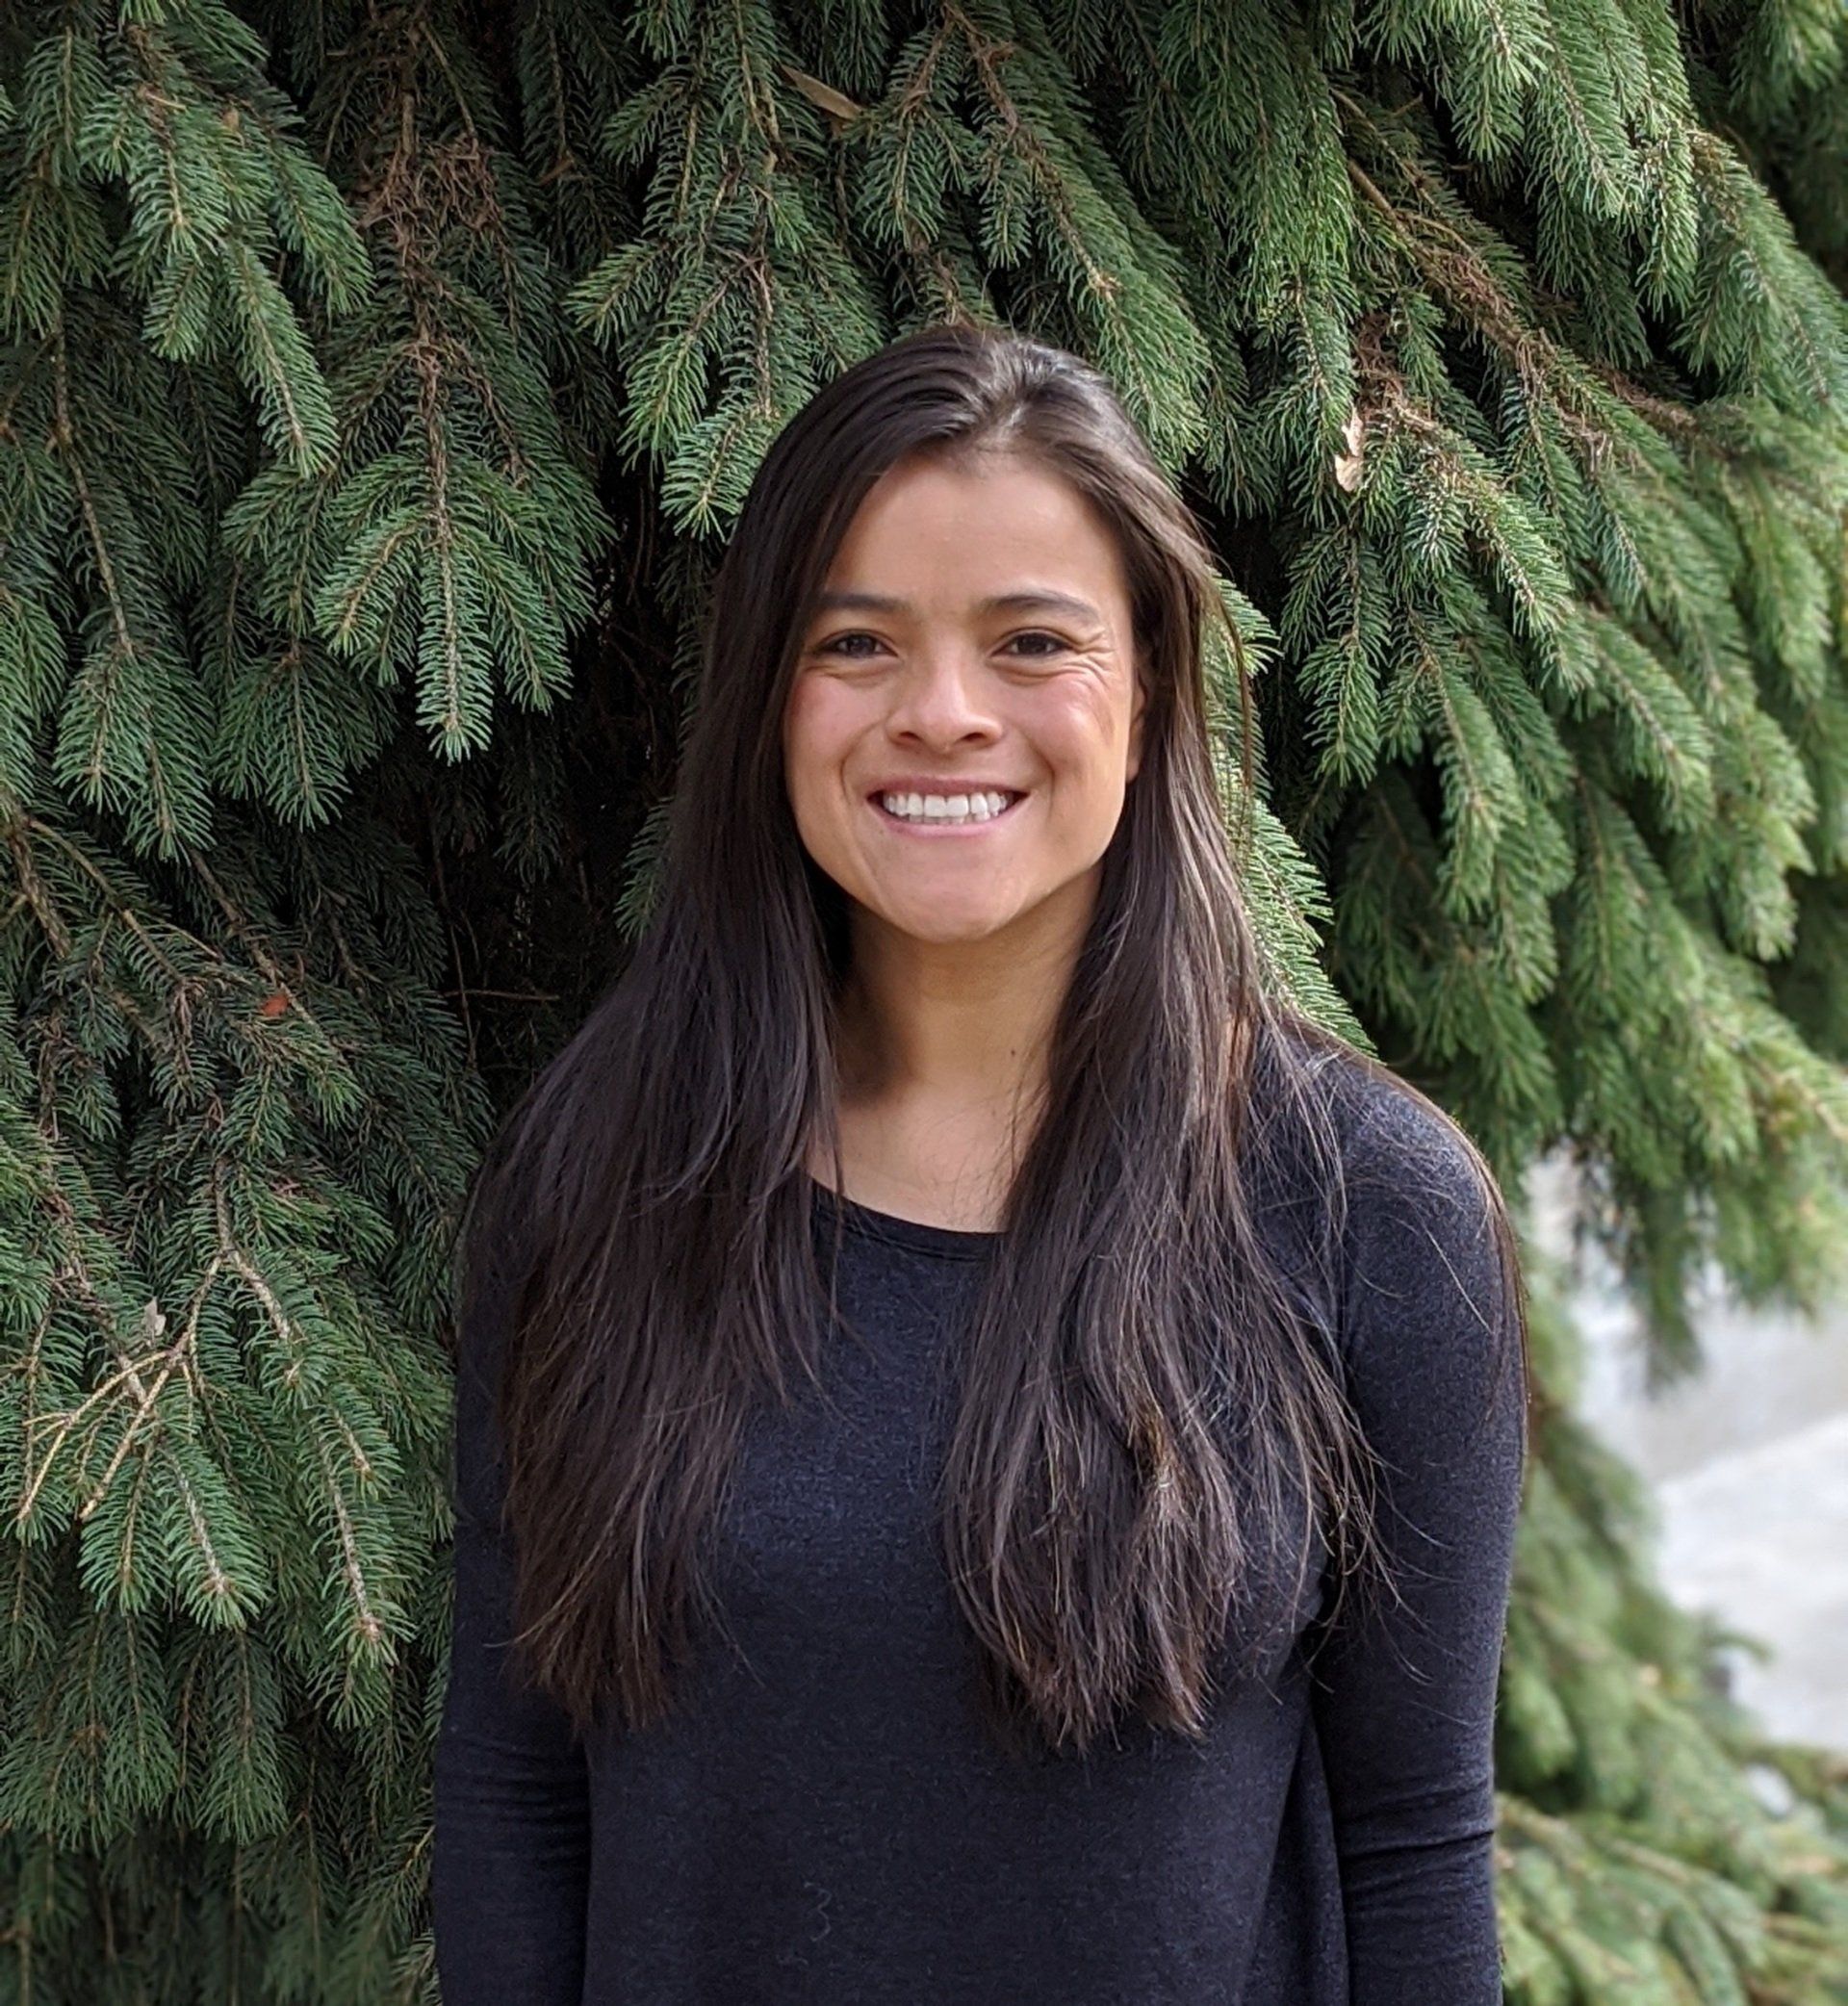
(926, 825)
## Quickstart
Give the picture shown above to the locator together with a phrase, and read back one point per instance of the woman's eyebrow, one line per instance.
(999, 602)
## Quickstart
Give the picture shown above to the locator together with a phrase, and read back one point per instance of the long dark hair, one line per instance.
(1150, 1448)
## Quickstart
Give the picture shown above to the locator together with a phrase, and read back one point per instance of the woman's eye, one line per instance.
(1056, 644)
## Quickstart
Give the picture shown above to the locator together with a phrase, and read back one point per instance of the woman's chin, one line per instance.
(941, 923)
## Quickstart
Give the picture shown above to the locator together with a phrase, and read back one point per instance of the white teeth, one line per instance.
(945, 807)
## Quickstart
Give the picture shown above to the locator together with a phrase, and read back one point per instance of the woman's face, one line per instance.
(972, 636)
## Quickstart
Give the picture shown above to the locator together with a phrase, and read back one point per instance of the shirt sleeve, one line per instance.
(1403, 1690)
(511, 1846)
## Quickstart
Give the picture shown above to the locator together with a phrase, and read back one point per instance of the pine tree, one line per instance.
(378, 383)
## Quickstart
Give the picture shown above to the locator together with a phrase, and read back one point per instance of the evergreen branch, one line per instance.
(181, 1352)
(64, 1423)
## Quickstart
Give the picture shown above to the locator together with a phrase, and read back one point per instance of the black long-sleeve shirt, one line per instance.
(821, 1822)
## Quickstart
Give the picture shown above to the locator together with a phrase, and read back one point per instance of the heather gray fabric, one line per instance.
(823, 1823)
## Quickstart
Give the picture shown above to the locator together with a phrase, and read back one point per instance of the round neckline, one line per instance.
(958, 1243)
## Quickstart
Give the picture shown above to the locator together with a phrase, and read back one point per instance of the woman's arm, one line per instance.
(1404, 1701)
(512, 1841)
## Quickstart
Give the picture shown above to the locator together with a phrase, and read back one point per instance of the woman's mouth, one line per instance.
(931, 814)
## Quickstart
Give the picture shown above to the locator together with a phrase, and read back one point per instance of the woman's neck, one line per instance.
(957, 1023)
(942, 1055)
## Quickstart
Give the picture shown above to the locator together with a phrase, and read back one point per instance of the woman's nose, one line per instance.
(941, 691)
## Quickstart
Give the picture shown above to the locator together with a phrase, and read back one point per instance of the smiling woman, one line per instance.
(949, 1363)
(951, 551)
(958, 776)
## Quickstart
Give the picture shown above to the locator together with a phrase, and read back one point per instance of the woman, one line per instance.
(934, 1334)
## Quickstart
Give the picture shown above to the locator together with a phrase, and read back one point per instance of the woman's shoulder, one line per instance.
(1396, 1200)
(1376, 1129)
